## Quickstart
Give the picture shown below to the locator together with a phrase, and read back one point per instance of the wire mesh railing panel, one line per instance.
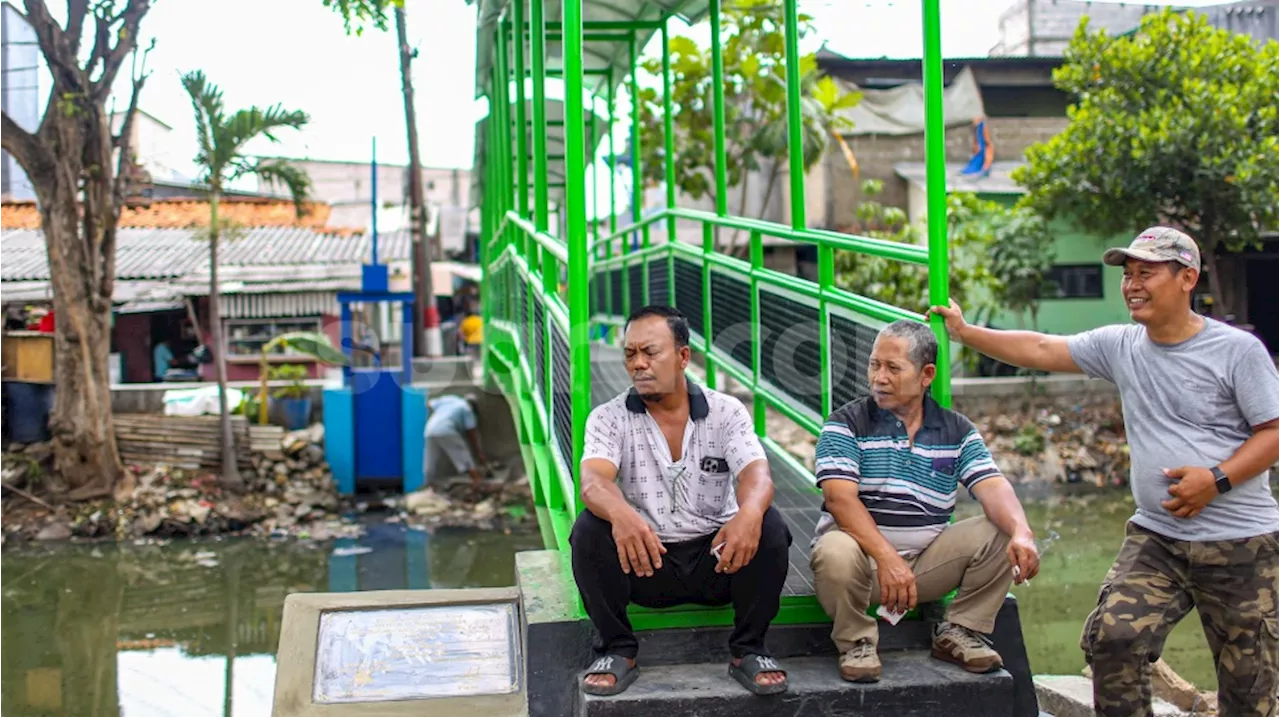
(688, 278)
(789, 348)
(539, 352)
(635, 287)
(599, 294)
(851, 343)
(615, 292)
(522, 310)
(659, 280)
(562, 394)
(731, 317)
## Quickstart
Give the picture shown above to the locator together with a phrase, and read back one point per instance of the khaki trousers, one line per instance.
(969, 554)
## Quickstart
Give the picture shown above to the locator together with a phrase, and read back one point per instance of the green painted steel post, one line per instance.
(575, 208)
(708, 248)
(500, 111)
(538, 60)
(717, 110)
(613, 204)
(758, 405)
(637, 169)
(613, 198)
(522, 131)
(795, 135)
(826, 280)
(936, 184)
(668, 135)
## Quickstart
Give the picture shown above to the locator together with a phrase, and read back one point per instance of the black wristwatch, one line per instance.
(1224, 483)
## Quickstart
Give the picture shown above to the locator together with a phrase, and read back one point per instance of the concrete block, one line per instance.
(1072, 696)
(913, 684)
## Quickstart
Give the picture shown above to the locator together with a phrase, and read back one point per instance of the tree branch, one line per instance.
(127, 40)
(34, 157)
(62, 60)
(76, 12)
(124, 169)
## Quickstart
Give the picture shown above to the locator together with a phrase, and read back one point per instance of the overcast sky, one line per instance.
(296, 52)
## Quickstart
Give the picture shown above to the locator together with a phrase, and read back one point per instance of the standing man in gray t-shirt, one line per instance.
(1200, 410)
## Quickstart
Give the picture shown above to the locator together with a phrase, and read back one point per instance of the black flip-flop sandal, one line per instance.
(616, 665)
(752, 666)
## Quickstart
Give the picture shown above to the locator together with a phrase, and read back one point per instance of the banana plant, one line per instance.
(311, 343)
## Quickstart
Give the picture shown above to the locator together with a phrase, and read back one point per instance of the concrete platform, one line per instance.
(913, 684)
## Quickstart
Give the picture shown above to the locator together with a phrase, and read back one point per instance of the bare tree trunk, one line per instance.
(230, 469)
(426, 319)
(1220, 304)
(84, 444)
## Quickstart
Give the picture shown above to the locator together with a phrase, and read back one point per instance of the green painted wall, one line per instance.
(1069, 316)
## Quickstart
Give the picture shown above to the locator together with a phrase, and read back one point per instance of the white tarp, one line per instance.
(900, 110)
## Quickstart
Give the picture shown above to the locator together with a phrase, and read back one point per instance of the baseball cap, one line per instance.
(1157, 245)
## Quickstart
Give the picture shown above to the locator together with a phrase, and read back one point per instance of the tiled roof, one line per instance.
(159, 254)
(185, 213)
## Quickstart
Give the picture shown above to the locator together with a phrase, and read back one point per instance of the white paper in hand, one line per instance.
(889, 616)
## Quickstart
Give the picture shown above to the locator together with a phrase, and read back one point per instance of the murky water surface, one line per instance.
(189, 629)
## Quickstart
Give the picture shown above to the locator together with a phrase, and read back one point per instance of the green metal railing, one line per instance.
(546, 294)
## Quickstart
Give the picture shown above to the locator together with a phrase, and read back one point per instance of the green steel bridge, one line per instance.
(557, 294)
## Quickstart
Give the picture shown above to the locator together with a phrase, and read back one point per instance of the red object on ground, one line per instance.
(46, 323)
(431, 316)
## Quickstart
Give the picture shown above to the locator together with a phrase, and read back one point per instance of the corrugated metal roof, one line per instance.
(157, 254)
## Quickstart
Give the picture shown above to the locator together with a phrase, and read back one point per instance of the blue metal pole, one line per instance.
(373, 199)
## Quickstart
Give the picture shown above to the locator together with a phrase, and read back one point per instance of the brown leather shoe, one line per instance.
(861, 663)
(966, 648)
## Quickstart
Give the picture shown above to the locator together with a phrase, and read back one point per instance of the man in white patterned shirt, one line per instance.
(678, 492)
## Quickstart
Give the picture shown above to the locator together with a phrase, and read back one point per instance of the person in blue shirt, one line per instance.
(161, 359)
(452, 430)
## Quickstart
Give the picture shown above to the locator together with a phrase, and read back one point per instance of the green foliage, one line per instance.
(755, 97)
(970, 236)
(1020, 259)
(1175, 124)
(295, 374)
(311, 343)
(357, 13)
(1030, 440)
(222, 139)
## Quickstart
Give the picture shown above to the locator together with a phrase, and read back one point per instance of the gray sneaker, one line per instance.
(861, 663)
(964, 647)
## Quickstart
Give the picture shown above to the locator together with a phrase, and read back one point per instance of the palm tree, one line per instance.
(222, 139)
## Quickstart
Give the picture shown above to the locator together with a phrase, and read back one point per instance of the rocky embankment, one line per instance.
(1082, 444)
(288, 492)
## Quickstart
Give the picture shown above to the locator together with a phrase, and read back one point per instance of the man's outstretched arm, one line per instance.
(1028, 349)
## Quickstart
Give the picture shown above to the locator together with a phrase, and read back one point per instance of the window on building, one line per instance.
(245, 337)
(1074, 281)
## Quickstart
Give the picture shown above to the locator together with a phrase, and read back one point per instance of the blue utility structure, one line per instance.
(374, 423)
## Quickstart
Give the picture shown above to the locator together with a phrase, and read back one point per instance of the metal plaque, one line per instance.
(417, 653)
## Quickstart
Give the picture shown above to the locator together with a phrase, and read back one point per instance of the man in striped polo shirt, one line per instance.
(889, 466)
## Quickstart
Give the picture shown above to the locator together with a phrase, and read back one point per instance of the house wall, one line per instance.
(1072, 246)
(1038, 28)
(131, 337)
(876, 155)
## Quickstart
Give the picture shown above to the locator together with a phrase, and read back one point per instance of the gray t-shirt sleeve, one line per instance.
(1094, 351)
(1255, 384)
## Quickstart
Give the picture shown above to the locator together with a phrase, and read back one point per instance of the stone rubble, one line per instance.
(289, 492)
(1082, 444)
(501, 501)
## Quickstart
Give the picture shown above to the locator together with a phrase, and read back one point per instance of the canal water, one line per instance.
(188, 629)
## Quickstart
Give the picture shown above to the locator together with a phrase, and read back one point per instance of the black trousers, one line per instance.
(687, 575)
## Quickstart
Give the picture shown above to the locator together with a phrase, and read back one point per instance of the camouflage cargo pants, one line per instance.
(1153, 584)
